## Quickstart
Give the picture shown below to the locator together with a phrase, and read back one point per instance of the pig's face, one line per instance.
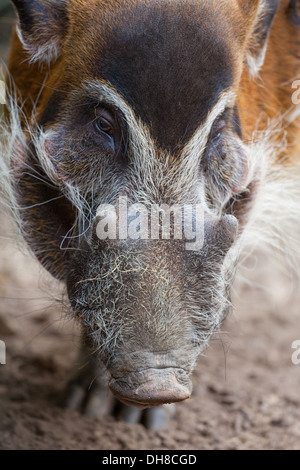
(142, 107)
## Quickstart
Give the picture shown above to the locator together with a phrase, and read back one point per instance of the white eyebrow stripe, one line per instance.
(192, 152)
(149, 163)
(197, 143)
(144, 149)
(103, 91)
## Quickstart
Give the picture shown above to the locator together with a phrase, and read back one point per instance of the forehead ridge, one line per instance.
(170, 62)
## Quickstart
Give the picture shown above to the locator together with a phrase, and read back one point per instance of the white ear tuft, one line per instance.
(258, 43)
(41, 27)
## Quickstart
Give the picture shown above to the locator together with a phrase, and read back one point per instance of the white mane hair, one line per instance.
(12, 138)
(273, 226)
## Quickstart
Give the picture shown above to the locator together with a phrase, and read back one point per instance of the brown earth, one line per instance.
(246, 389)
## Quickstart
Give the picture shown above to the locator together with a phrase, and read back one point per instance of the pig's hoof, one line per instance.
(87, 390)
(154, 419)
(92, 397)
(99, 401)
(88, 393)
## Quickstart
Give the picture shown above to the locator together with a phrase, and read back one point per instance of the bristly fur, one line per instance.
(274, 216)
(43, 43)
(273, 220)
(214, 137)
(272, 177)
(12, 136)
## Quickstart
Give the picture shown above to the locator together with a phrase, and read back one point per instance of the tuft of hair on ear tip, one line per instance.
(41, 27)
(258, 43)
(293, 13)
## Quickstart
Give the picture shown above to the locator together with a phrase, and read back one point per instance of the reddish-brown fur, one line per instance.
(269, 96)
(266, 97)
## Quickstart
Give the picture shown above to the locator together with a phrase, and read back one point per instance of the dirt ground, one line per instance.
(246, 389)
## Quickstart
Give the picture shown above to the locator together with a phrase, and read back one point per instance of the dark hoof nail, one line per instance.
(74, 398)
(130, 414)
(158, 419)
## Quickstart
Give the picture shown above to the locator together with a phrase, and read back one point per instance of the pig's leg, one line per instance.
(88, 392)
(87, 389)
(155, 419)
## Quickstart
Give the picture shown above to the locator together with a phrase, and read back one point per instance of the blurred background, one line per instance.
(246, 389)
(7, 20)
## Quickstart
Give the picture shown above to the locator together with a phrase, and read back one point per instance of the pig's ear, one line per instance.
(263, 13)
(41, 27)
(293, 12)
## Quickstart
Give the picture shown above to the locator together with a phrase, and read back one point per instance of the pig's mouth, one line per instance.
(152, 387)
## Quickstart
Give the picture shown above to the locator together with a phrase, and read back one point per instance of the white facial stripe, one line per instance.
(193, 151)
(199, 140)
(140, 139)
(103, 91)
(140, 135)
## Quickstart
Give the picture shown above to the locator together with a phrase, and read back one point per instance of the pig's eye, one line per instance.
(104, 126)
(104, 122)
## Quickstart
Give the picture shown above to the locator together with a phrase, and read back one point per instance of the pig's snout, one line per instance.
(152, 387)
